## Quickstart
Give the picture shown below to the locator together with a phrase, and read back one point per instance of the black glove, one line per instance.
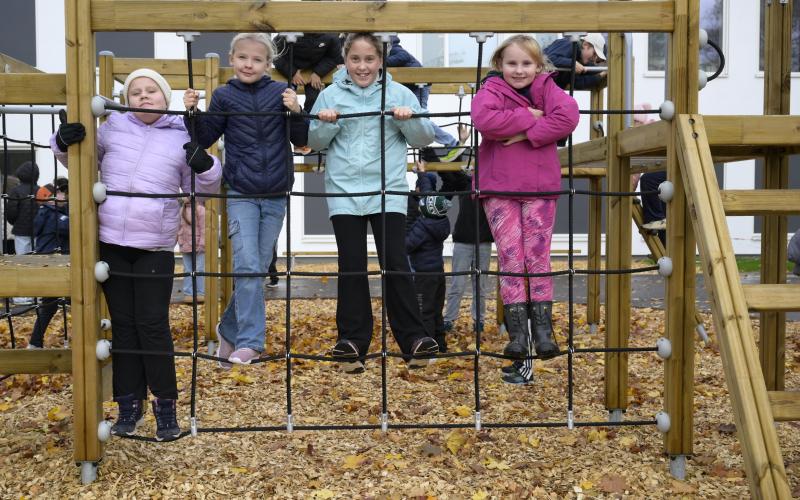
(197, 158)
(69, 133)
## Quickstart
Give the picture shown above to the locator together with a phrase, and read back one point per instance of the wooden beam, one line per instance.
(33, 88)
(762, 202)
(618, 237)
(87, 384)
(679, 302)
(34, 276)
(590, 152)
(772, 297)
(396, 16)
(649, 139)
(594, 244)
(785, 405)
(10, 65)
(14, 361)
(777, 130)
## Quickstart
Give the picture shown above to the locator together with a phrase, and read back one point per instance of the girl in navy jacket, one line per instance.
(255, 164)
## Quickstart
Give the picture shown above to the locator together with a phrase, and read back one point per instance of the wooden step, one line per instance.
(781, 298)
(13, 361)
(785, 405)
(761, 201)
(34, 276)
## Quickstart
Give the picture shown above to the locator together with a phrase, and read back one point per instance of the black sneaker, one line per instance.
(353, 367)
(131, 415)
(516, 378)
(513, 367)
(424, 346)
(346, 352)
(273, 282)
(165, 411)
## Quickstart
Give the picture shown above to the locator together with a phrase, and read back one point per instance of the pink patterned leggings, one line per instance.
(522, 231)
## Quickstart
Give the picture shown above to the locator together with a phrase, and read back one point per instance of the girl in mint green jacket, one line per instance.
(353, 165)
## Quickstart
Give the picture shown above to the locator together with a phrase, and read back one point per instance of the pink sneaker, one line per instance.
(244, 356)
(224, 350)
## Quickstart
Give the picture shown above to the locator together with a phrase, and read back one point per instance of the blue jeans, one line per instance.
(253, 228)
(187, 268)
(442, 137)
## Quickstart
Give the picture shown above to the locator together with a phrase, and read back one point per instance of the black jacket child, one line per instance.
(21, 209)
(464, 228)
(425, 238)
(319, 52)
(52, 228)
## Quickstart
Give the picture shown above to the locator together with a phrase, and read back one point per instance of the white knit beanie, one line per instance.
(153, 75)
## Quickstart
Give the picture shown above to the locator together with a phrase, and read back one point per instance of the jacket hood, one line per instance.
(28, 172)
(342, 79)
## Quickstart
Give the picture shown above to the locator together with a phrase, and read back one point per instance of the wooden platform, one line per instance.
(34, 276)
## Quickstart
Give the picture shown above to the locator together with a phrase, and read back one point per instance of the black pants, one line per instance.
(48, 308)
(430, 295)
(353, 308)
(311, 97)
(652, 207)
(273, 264)
(139, 309)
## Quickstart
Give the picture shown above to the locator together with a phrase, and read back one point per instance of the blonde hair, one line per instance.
(367, 37)
(261, 38)
(528, 44)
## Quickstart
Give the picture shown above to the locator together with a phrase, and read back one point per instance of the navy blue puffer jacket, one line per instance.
(255, 146)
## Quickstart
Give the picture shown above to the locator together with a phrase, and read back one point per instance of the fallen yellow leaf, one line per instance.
(241, 378)
(322, 494)
(353, 461)
(5, 406)
(55, 414)
(597, 435)
(491, 463)
(463, 410)
(480, 495)
(534, 442)
(627, 441)
(456, 376)
(239, 470)
(455, 440)
(586, 484)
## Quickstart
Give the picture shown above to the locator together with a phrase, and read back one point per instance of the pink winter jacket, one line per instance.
(139, 158)
(500, 112)
(185, 231)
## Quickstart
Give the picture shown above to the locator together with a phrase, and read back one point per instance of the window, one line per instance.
(455, 50)
(18, 30)
(219, 43)
(711, 19)
(795, 37)
(127, 44)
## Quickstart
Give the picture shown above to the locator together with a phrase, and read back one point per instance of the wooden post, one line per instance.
(777, 73)
(212, 310)
(86, 379)
(618, 239)
(594, 237)
(106, 82)
(682, 75)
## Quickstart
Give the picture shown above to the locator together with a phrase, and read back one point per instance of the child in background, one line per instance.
(521, 113)
(354, 165)
(399, 57)
(464, 249)
(21, 207)
(142, 152)
(319, 52)
(255, 164)
(51, 228)
(591, 51)
(185, 246)
(425, 244)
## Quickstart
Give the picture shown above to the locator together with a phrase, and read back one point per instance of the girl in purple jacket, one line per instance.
(521, 113)
(141, 152)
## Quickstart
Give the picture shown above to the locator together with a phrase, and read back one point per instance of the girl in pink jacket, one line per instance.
(521, 113)
(142, 152)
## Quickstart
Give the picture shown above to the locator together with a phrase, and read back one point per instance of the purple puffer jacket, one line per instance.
(140, 158)
(500, 112)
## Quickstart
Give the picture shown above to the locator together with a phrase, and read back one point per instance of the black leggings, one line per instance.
(353, 308)
(139, 309)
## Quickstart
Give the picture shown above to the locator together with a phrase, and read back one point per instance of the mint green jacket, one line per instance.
(353, 163)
